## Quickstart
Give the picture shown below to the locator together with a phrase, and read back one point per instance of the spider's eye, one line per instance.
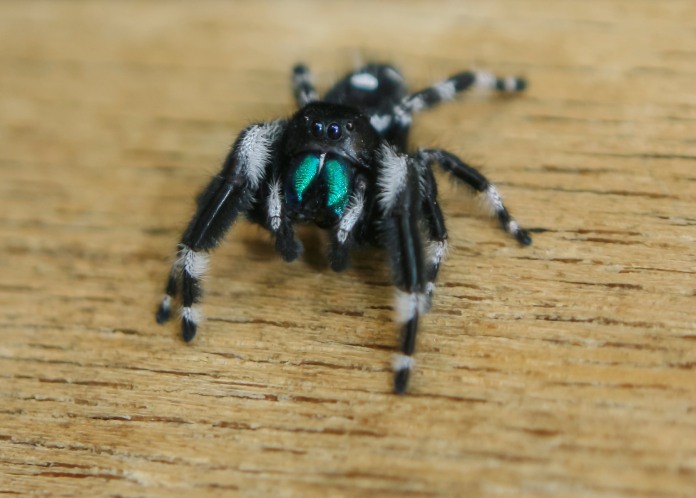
(317, 129)
(334, 131)
(349, 126)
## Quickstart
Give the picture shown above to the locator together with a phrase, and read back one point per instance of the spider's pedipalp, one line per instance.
(274, 205)
(343, 239)
(351, 217)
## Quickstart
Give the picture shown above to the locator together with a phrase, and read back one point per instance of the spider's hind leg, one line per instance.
(491, 198)
(448, 89)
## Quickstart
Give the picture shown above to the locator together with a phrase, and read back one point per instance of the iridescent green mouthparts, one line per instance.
(334, 174)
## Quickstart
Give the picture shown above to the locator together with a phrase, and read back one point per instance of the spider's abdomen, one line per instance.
(318, 186)
(374, 89)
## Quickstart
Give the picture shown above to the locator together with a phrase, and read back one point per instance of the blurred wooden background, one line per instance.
(562, 369)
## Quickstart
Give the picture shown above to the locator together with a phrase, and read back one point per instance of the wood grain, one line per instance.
(564, 369)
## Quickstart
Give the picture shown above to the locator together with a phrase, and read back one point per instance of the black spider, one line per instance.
(341, 163)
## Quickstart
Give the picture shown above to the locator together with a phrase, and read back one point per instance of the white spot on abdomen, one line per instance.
(364, 81)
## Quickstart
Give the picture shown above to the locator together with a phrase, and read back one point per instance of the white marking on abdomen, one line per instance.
(364, 81)
(380, 122)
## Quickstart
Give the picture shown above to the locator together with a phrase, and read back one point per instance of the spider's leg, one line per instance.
(228, 193)
(302, 86)
(400, 203)
(491, 198)
(435, 221)
(400, 116)
(448, 89)
(342, 236)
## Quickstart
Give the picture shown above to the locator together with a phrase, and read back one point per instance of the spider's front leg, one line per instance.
(229, 192)
(399, 200)
(302, 86)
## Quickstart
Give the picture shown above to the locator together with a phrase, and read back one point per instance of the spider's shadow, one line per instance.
(315, 251)
(369, 265)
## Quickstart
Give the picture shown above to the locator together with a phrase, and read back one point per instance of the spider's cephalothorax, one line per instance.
(342, 164)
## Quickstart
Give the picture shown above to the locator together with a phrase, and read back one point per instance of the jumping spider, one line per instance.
(341, 163)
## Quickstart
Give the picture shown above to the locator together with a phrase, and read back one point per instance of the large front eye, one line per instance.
(334, 131)
(317, 129)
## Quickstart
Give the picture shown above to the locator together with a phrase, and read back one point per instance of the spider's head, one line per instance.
(334, 129)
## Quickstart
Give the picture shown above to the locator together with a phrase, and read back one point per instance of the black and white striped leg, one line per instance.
(449, 88)
(193, 264)
(437, 245)
(401, 115)
(412, 301)
(226, 195)
(218, 207)
(435, 221)
(400, 201)
(302, 86)
(490, 196)
(342, 237)
(171, 291)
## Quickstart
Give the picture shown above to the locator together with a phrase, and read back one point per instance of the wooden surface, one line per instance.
(563, 369)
